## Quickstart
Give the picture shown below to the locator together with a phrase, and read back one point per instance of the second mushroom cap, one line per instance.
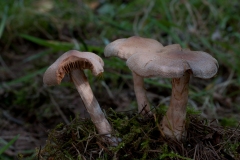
(126, 47)
(172, 63)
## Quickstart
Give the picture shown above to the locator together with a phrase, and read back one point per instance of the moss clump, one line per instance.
(141, 139)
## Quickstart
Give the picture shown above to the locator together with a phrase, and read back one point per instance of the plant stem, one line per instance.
(142, 101)
(173, 122)
(90, 102)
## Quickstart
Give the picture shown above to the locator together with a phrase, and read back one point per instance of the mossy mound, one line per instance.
(141, 139)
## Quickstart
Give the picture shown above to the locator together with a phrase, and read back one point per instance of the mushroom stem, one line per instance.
(142, 101)
(173, 122)
(90, 102)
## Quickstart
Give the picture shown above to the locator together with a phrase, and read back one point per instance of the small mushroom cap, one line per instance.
(125, 47)
(171, 47)
(69, 61)
(173, 64)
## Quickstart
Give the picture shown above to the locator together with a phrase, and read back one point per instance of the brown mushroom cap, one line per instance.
(173, 64)
(72, 60)
(125, 47)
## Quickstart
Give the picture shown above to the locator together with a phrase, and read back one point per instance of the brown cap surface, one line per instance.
(125, 47)
(173, 64)
(72, 60)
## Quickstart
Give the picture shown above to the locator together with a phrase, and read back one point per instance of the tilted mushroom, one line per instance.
(177, 64)
(74, 62)
(125, 48)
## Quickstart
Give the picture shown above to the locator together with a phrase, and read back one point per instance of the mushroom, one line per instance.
(74, 62)
(125, 48)
(178, 64)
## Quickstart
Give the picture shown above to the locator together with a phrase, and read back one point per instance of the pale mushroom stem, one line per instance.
(90, 102)
(173, 123)
(142, 101)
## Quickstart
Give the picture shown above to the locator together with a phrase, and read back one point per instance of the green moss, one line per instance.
(229, 122)
(141, 139)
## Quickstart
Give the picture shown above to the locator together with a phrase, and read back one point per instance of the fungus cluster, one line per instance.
(145, 58)
(148, 58)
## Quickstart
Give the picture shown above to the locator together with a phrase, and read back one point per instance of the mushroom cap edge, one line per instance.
(56, 72)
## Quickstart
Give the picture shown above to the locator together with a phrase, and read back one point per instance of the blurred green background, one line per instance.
(34, 33)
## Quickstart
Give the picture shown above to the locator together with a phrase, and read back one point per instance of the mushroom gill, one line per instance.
(78, 64)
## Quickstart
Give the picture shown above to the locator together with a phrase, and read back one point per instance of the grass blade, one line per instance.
(4, 148)
(47, 43)
(165, 7)
(3, 22)
(167, 27)
(23, 79)
(60, 46)
(38, 55)
(218, 53)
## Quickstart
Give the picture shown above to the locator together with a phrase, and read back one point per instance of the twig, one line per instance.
(79, 152)
(195, 151)
(89, 139)
(159, 128)
(99, 154)
(146, 13)
(137, 24)
(108, 90)
(39, 151)
(9, 117)
(103, 148)
(222, 86)
(229, 137)
(59, 110)
(155, 151)
(6, 67)
(189, 9)
(213, 150)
